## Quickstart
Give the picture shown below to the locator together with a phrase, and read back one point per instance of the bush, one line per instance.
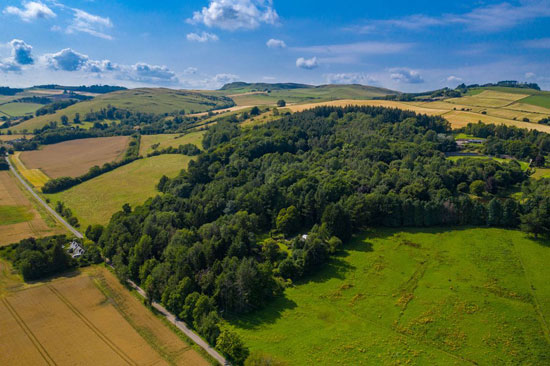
(233, 347)
(281, 103)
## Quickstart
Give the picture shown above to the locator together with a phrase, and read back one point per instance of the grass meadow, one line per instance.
(434, 296)
(96, 200)
(169, 140)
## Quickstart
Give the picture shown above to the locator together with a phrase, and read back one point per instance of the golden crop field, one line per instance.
(35, 177)
(13, 137)
(75, 157)
(376, 103)
(170, 140)
(19, 217)
(86, 319)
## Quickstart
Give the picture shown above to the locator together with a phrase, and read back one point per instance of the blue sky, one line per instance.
(403, 45)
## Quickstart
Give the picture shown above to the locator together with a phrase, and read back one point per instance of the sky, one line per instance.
(203, 44)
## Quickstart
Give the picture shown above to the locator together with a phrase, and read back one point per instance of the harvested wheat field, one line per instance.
(76, 157)
(375, 103)
(35, 177)
(70, 321)
(19, 218)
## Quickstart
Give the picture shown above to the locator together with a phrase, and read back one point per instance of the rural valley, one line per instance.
(335, 208)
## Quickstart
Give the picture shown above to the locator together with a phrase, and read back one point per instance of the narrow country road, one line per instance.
(41, 201)
(181, 325)
(171, 318)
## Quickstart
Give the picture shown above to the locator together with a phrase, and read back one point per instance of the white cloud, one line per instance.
(308, 64)
(349, 78)
(31, 10)
(222, 79)
(66, 60)
(203, 37)
(21, 52)
(150, 74)
(276, 43)
(367, 48)
(91, 24)
(236, 14)
(406, 76)
(530, 75)
(494, 17)
(454, 79)
(190, 71)
(543, 43)
(8, 66)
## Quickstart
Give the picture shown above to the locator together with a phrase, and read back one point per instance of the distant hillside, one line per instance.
(95, 89)
(145, 100)
(242, 87)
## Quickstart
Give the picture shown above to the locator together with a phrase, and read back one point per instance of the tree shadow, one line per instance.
(268, 315)
(63, 275)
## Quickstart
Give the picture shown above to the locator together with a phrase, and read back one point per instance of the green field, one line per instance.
(14, 214)
(424, 297)
(19, 109)
(170, 140)
(538, 100)
(95, 201)
(523, 164)
(145, 100)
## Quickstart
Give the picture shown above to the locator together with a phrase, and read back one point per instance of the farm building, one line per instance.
(75, 249)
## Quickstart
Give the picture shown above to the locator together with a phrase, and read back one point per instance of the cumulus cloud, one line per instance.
(454, 79)
(91, 24)
(406, 76)
(9, 66)
(21, 52)
(146, 73)
(349, 78)
(236, 14)
(30, 11)
(222, 79)
(202, 38)
(308, 64)
(530, 75)
(67, 60)
(276, 43)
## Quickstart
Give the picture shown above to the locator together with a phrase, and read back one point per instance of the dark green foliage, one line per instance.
(3, 163)
(187, 149)
(55, 106)
(66, 213)
(233, 347)
(39, 258)
(93, 232)
(281, 103)
(4, 90)
(328, 172)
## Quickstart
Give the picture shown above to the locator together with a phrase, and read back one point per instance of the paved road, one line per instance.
(183, 327)
(41, 201)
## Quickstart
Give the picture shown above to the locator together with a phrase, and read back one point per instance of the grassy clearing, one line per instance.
(19, 109)
(541, 173)
(75, 157)
(10, 215)
(169, 140)
(434, 296)
(13, 137)
(35, 177)
(524, 165)
(96, 200)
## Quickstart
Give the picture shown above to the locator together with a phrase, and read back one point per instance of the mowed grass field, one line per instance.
(19, 109)
(417, 297)
(75, 157)
(169, 140)
(145, 100)
(86, 319)
(96, 200)
(20, 217)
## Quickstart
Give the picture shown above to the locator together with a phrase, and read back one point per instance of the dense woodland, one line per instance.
(215, 242)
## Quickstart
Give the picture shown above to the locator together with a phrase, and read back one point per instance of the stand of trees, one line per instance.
(55, 106)
(187, 149)
(328, 172)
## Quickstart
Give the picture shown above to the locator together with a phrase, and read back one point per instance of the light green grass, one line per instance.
(145, 100)
(170, 140)
(424, 297)
(14, 214)
(95, 201)
(541, 173)
(19, 109)
(523, 164)
(538, 100)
